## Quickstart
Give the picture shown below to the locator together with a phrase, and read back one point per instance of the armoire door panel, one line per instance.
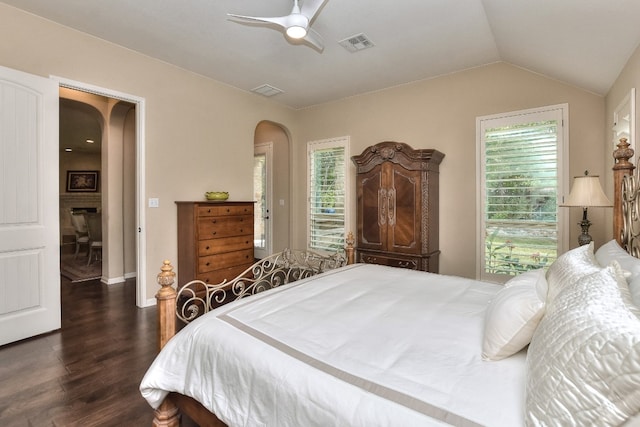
(404, 235)
(371, 229)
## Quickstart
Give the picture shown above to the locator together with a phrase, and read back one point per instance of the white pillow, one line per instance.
(569, 267)
(513, 315)
(583, 363)
(611, 251)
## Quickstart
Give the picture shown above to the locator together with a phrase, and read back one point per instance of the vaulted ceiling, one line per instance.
(582, 42)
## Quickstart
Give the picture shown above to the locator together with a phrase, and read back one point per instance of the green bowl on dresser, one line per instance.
(216, 195)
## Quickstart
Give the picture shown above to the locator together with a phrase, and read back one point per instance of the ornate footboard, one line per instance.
(196, 298)
(626, 211)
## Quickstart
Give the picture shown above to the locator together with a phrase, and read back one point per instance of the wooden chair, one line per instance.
(80, 230)
(94, 228)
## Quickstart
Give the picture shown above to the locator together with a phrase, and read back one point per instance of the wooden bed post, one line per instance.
(350, 248)
(167, 413)
(621, 168)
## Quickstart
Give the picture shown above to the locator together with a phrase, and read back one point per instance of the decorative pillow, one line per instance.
(569, 267)
(513, 314)
(583, 363)
(611, 251)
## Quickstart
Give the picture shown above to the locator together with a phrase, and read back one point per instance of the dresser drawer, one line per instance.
(218, 276)
(222, 226)
(223, 210)
(228, 259)
(424, 263)
(392, 261)
(226, 244)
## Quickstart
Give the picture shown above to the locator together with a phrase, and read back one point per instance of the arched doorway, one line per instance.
(279, 203)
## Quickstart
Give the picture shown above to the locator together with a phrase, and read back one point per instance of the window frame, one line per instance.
(558, 112)
(323, 144)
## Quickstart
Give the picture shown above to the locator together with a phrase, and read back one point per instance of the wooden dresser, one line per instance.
(215, 240)
(397, 206)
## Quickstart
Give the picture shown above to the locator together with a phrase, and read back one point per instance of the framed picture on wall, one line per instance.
(82, 181)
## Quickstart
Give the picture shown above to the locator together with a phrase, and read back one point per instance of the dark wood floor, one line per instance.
(88, 373)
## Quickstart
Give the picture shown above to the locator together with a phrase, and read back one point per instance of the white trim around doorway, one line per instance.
(142, 300)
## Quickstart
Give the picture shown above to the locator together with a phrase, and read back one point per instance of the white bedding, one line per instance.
(363, 345)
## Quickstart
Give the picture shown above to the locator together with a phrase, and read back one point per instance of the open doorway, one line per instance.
(263, 196)
(272, 148)
(80, 164)
(97, 174)
(120, 179)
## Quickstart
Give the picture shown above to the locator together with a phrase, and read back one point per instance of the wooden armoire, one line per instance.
(397, 207)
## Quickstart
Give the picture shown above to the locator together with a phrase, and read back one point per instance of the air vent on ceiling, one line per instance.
(356, 43)
(266, 90)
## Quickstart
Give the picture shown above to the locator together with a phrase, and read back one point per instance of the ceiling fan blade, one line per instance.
(278, 20)
(314, 39)
(311, 7)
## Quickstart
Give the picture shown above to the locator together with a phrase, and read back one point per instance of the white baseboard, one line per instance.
(113, 280)
(150, 302)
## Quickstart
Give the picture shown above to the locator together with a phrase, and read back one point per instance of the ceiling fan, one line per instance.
(296, 25)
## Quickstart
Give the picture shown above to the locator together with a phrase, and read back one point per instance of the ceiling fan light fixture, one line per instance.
(295, 26)
(296, 32)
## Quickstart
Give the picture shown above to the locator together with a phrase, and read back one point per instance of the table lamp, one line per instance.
(586, 192)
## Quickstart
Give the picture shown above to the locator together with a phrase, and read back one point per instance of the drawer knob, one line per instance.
(213, 221)
(208, 210)
(214, 232)
(208, 264)
(208, 247)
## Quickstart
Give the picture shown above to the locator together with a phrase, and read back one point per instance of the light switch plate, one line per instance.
(154, 202)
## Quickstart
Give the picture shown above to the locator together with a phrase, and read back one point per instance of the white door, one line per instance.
(262, 189)
(29, 194)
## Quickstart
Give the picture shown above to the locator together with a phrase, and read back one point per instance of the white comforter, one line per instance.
(363, 345)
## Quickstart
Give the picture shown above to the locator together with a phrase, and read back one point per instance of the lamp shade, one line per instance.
(587, 192)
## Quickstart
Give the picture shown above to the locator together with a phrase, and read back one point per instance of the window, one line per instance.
(327, 179)
(522, 174)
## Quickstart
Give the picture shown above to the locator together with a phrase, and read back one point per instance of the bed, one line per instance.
(327, 344)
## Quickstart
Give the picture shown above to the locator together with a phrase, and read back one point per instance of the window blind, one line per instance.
(520, 196)
(327, 171)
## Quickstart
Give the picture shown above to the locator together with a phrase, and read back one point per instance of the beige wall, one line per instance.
(199, 132)
(441, 113)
